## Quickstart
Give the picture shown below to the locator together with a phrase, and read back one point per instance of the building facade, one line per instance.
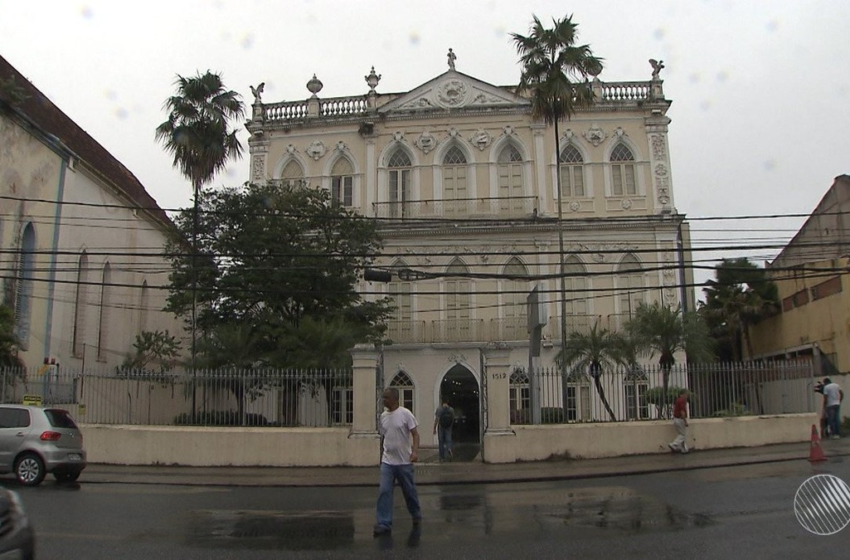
(81, 239)
(463, 182)
(814, 289)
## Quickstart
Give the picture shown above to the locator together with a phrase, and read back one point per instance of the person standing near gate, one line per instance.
(680, 422)
(397, 427)
(832, 397)
(444, 421)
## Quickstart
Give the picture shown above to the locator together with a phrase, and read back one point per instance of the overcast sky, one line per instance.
(760, 89)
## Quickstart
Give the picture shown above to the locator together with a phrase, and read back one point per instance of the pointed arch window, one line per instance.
(458, 304)
(575, 284)
(454, 179)
(292, 174)
(144, 302)
(511, 187)
(399, 183)
(342, 182)
(635, 386)
(514, 300)
(80, 302)
(630, 285)
(571, 168)
(24, 286)
(623, 171)
(103, 312)
(400, 325)
(520, 397)
(404, 384)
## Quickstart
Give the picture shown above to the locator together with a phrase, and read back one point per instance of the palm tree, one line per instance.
(662, 330)
(554, 76)
(594, 352)
(740, 297)
(198, 135)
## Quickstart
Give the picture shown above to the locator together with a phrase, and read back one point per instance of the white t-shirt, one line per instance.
(833, 394)
(395, 426)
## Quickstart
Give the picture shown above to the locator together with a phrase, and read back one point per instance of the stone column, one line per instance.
(499, 439)
(365, 358)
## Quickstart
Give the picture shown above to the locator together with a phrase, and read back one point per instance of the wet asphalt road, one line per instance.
(735, 512)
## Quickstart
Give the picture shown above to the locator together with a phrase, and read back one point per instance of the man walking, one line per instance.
(832, 397)
(444, 421)
(680, 422)
(397, 427)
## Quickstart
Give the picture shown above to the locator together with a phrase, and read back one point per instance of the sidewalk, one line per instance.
(432, 473)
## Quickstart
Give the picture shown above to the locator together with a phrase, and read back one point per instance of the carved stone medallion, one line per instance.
(426, 142)
(595, 135)
(452, 93)
(480, 139)
(316, 150)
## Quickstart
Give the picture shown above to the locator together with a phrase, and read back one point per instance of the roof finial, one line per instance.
(451, 59)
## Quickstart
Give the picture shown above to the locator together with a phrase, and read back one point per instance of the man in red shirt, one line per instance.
(680, 422)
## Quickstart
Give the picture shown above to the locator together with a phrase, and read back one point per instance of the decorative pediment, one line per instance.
(453, 90)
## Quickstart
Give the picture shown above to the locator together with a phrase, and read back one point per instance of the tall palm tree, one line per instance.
(554, 76)
(662, 330)
(198, 135)
(594, 352)
(740, 297)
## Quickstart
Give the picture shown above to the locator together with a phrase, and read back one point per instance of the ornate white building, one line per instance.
(463, 181)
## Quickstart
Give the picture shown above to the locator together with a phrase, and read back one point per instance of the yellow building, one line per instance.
(463, 181)
(814, 288)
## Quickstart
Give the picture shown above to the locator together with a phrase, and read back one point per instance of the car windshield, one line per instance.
(60, 419)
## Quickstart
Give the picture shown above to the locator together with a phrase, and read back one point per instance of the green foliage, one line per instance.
(661, 330)
(197, 131)
(594, 352)
(153, 349)
(737, 409)
(220, 418)
(655, 396)
(552, 415)
(555, 69)
(8, 339)
(278, 269)
(740, 296)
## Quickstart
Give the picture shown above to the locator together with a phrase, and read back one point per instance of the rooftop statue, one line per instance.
(657, 66)
(451, 59)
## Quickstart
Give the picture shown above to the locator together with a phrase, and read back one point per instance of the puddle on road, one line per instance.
(623, 510)
(271, 530)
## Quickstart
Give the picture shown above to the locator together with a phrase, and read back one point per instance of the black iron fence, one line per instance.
(255, 397)
(625, 394)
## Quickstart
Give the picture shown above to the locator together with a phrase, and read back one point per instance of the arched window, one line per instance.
(630, 287)
(578, 397)
(623, 171)
(292, 174)
(571, 167)
(454, 181)
(400, 324)
(24, 286)
(514, 301)
(635, 386)
(78, 336)
(511, 188)
(342, 182)
(103, 312)
(144, 302)
(458, 321)
(404, 384)
(575, 284)
(520, 397)
(399, 183)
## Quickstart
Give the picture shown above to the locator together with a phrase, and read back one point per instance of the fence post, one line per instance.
(495, 448)
(365, 360)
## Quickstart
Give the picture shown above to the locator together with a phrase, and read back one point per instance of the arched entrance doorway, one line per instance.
(460, 388)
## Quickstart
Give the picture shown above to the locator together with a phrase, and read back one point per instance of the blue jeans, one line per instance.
(833, 419)
(444, 436)
(404, 475)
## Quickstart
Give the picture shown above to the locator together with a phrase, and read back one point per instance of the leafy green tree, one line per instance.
(739, 297)
(8, 340)
(554, 77)
(282, 262)
(157, 349)
(594, 352)
(661, 330)
(198, 134)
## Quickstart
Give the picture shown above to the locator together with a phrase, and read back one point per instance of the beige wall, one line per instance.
(289, 447)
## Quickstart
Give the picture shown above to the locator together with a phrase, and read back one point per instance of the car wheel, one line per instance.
(67, 476)
(29, 469)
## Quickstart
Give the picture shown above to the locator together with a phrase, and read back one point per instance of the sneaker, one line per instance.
(835, 437)
(380, 530)
(672, 447)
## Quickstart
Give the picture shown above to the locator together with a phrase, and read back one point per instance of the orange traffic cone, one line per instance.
(816, 453)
